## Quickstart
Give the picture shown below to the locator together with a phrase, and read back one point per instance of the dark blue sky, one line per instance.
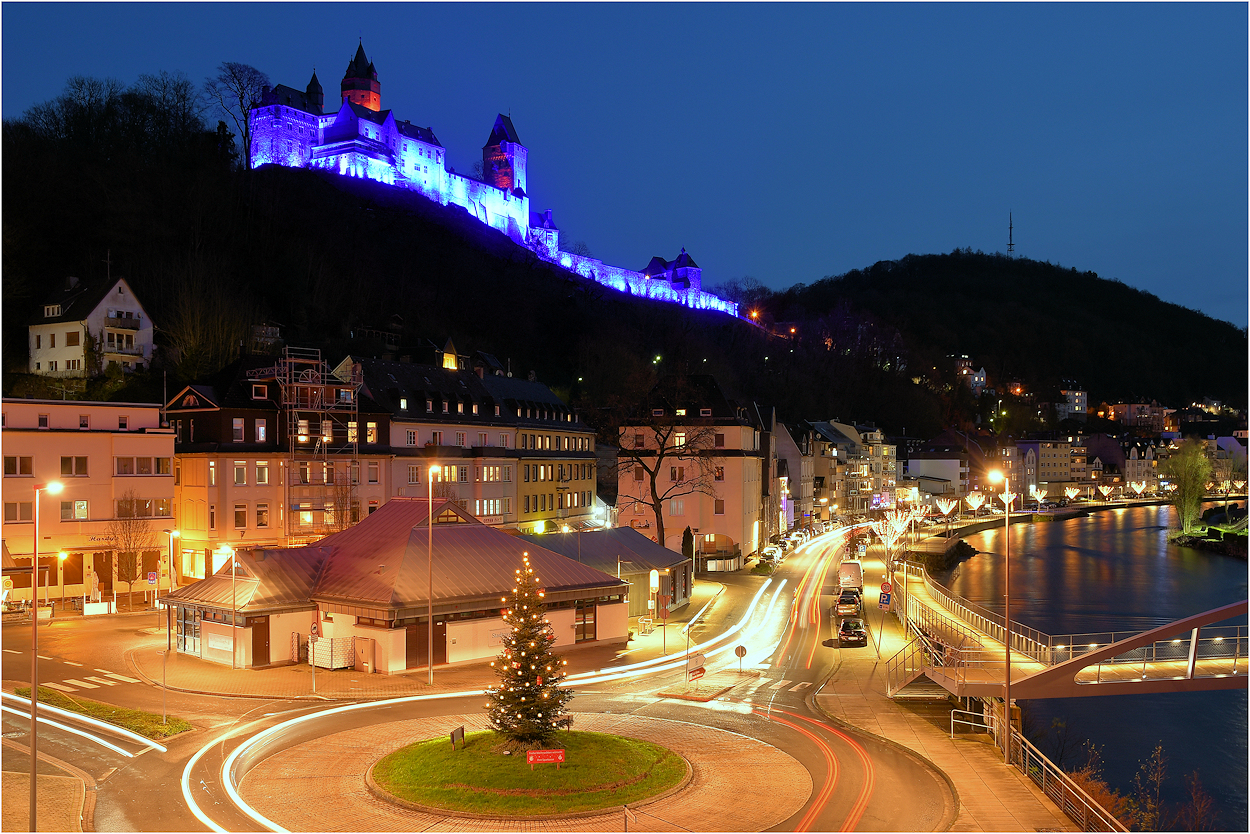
(781, 142)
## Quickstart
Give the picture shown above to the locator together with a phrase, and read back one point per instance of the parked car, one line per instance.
(847, 604)
(852, 632)
(771, 553)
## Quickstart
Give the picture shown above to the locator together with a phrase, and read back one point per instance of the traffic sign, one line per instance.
(741, 651)
(695, 674)
(884, 601)
(8, 584)
(886, 587)
(313, 629)
(151, 577)
(695, 661)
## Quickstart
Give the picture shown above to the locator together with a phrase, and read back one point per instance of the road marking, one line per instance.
(800, 685)
(102, 670)
(43, 657)
(81, 683)
(12, 651)
(779, 684)
(59, 686)
(70, 663)
(121, 678)
(760, 682)
(103, 681)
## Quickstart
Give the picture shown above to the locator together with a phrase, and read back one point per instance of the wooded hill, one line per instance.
(211, 250)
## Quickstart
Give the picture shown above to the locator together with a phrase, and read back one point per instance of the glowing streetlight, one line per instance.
(435, 469)
(1105, 489)
(1071, 492)
(974, 501)
(52, 488)
(1007, 497)
(228, 552)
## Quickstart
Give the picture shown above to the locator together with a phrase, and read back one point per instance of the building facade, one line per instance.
(114, 462)
(83, 328)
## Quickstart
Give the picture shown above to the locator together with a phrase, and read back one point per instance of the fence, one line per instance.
(1067, 794)
(330, 652)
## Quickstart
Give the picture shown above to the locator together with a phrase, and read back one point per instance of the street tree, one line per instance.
(528, 705)
(670, 462)
(128, 535)
(1189, 470)
(235, 90)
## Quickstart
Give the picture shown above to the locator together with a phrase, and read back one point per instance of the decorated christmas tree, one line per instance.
(528, 705)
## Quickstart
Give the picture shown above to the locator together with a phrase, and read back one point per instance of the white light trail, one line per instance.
(86, 719)
(70, 729)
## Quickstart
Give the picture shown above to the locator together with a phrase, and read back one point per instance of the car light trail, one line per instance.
(70, 729)
(86, 719)
(870, 777)
(831, 763)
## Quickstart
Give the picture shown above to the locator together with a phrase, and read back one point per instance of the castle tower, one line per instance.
(316, 96)
(360, 82)
(504, 157)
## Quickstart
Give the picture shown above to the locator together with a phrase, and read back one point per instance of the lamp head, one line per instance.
(51, 487)
(435, 469)
(62, 555)
(175, 533)
(995, 476)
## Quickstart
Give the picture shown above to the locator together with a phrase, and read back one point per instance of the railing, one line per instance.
(986, 723)
(1028, 641)
(1230, 643)
(123, 323)
(1067, 794)
(904, 666)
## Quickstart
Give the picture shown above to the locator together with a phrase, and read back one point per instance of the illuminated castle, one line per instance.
(360, 139)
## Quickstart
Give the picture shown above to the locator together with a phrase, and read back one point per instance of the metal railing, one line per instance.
(1025, 640)
(986, 723)
(1078, 805)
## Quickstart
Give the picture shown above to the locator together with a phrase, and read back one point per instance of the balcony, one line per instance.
(118, 350)
(123, 322)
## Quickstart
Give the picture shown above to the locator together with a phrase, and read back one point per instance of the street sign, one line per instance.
(533, 757)
(863, 548)
(741, 651)
(695, 661)
(630, 816)
(884, 601)
(151, 577)
(457, 733)
(886, 587)
(697, 673)
(313, 629)
(663, 612)
(8, 584)
(655, 581)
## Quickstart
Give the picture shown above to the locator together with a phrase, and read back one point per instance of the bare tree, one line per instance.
(669, 462)
(236, 89)
(128, 535)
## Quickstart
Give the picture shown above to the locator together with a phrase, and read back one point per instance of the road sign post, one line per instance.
(741, 652)
(312, 654)
(630, 816)
(695, 663)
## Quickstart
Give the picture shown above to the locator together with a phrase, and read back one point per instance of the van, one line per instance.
(851, 575)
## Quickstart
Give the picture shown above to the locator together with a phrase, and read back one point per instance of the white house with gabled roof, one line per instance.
(82, 328)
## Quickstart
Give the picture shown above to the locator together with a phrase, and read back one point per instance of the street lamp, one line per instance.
(995, 477)
(429, 522)
(169, 567)
(51, 487)
(61, 557)
(228, 551)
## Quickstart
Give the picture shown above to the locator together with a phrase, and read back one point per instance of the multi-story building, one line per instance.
(707, 457)
(1141, 467)
(1052, 462)
(509, 451)
(1149, 416)
(274, 453)
(796, 449)
(1075, 404)
(863, 473)
(83, 328)
(114, 463)
(940, 470)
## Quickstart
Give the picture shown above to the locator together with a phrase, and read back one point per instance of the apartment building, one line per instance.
(508, 450)
(863, 473)
(796, 451)
(709, 460)
(940, 470)
(1050, 462)
(113, 460)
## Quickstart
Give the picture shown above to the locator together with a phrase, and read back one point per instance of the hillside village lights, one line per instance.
(429, 522)
(52, 487)
(1008, 497)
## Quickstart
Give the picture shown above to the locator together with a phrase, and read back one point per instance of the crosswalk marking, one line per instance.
(61, 687)
(121, 678)
(83, 684)
(102, 670)
(103, 681)
(800, 685)
(779, 684)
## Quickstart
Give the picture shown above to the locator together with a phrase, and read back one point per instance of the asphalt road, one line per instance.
(857, 780)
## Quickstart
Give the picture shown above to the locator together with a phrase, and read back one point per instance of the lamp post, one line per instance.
(61, 557)
(1007, 497)
(227, 550)
(52, 487)
(169, 567)
(429, 523)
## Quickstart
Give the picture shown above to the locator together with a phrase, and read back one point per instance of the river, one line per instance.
(1117, 570)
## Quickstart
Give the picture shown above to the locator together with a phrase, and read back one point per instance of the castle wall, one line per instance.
(635, 283)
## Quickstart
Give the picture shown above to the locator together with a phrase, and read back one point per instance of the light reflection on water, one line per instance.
(1117, 571)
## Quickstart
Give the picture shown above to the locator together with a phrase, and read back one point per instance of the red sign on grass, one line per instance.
(533, 757)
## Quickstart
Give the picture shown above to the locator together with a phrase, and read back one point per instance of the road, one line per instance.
(856, 779)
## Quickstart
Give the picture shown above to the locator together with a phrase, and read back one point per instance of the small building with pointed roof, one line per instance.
(367, 589)
(82, 328)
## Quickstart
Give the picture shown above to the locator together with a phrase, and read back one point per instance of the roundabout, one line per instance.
(322, 784)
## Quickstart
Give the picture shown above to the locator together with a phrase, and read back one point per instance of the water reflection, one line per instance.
(1117, 571)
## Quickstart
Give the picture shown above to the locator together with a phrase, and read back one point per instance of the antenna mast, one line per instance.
(1011, 246)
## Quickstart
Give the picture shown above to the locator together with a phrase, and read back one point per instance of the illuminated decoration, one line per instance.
(1105, 489)
(946, 505)
(1138, 487)
(1071, 492)
(362, 140)
(1239, 485)
(1038, 493)
(528, 705)
(975, 500)
(1007, 498)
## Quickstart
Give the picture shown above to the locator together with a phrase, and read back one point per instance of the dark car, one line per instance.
(847, 604)
(852, 632)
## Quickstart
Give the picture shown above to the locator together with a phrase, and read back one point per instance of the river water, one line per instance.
(1116, 570)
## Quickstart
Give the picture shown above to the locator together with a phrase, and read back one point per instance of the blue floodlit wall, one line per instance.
(353, 146)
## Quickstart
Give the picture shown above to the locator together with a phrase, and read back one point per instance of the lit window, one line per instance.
(351, 431)
(240, 516)
(262, 515)
(371, 432)
(262, 472)
(260, 430)
(240, 473)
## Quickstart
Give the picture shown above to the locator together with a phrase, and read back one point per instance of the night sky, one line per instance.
(780, 142)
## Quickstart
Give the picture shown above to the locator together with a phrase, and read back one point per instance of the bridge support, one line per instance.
(1193, 654)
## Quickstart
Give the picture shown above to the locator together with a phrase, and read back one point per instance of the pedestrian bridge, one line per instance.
(959, 646)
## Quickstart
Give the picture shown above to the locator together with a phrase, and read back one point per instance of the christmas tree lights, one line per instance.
(528, 705)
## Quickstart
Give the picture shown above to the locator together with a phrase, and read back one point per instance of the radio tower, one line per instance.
(1011, 247)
